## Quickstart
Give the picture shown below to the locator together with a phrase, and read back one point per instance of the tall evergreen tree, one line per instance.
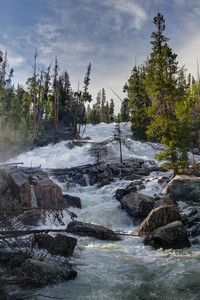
(138, 102)
(111, 110)
(166, 90)
(124, 111)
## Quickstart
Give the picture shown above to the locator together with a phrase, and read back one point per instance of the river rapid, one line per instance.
(123, 270)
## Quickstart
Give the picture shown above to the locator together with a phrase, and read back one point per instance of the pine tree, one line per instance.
(111, 110)
(86, 96)
(138, 102)
(124, 111)
(165, 85)
(55, 97)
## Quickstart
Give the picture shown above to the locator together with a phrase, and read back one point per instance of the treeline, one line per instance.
(47, 104)
(163, 104)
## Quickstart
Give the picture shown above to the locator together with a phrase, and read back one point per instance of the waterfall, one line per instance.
(34, 203)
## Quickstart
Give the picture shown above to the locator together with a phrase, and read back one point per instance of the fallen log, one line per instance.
(16, 233)
(66, 170)
(12, 164)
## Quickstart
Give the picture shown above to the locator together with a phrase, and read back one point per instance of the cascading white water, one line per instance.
(123, 270)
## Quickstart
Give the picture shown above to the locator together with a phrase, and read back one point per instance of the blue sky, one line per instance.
(111, 34)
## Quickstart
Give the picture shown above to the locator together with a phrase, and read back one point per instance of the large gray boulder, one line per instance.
(137, 205)
(172, 235)
(184, 188)
(159, 216)
(88, 229)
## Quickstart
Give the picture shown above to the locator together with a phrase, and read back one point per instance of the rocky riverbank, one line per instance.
(29, 194)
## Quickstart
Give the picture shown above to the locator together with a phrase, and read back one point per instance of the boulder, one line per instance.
(71, 201)
(184, 188)
(19, 185)
(31, 217)
(159, 216)
(3, 295)
(137, 205)
(60, 245)
(120, 193)
(172, 235)
(39, 273)
(3, 184)
(195, 231)
(48, 194)
(96, 231)
(165, 201)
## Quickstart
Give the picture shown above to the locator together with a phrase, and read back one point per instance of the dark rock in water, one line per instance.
(59, 245)
(40, 273)
(120, 193)
(195, 231)
(172, 235)
(137, 205)
(71, 201)
(70, 145)
(158, 217)
(96, 231)
(3, 294)
(31, 217)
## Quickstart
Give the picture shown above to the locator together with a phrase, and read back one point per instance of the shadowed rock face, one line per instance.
(172, 235)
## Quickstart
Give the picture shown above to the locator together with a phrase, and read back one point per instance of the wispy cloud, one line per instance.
(131, 9)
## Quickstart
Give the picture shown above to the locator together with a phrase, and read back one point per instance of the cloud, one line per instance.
(49, 32)
(131, 9)
(16, 60)
(189, 54)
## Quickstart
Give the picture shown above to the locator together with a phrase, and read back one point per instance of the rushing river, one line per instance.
(123, 270)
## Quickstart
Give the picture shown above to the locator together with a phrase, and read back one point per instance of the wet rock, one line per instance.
(17, 259)
(60, 245)
(195, 231)
(165, 201)
(137, 205)
(19, 185)
(3, 184)
(120, 193)
(48, 194)
(3, 295)
(39, 273)
(158, 217)
(184, 188)
(31, 217)
(96, 231)
(172, 235)
(71, 201)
